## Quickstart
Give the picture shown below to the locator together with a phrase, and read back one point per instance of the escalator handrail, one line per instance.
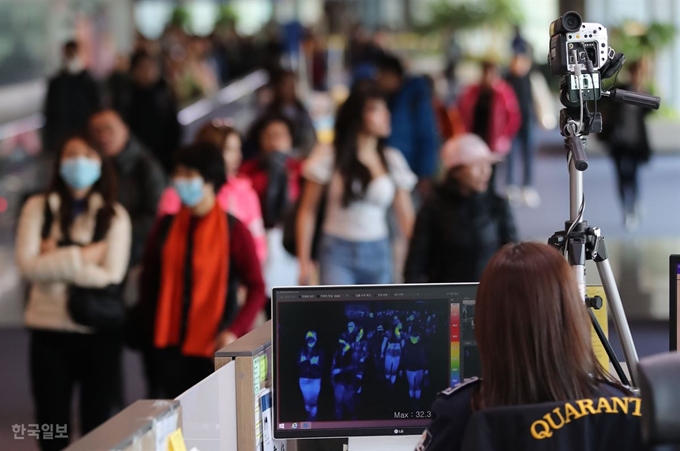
(230, 93)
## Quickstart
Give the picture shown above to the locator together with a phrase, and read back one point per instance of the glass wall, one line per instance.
(308, 12)
(31, 34)
(251, 14)
(152, 16)
(23, 34)
(538, 14)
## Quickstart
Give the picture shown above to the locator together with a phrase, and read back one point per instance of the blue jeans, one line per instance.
(343, 262)
(310, 389)
(522, 147)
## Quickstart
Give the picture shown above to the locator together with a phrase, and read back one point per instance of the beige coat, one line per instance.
(52, 273)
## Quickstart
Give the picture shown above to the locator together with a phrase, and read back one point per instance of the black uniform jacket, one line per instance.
(609, 421)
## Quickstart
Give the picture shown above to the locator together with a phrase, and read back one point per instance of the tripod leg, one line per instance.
(618, 314)
(577, 259)
(576, 249)
(608, 348)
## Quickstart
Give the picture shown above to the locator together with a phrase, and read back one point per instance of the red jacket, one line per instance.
(505, 119)
(244, 270)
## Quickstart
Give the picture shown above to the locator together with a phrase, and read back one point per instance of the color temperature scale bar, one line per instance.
(455, 344)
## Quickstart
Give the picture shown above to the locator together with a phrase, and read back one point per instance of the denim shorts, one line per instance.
(343, 262)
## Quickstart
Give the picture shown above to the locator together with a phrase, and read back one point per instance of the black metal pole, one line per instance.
(608, 348)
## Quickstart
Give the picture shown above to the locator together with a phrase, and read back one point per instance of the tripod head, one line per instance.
(576, 123)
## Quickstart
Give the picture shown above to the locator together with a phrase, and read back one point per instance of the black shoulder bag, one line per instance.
(99, 308)
(290, 224)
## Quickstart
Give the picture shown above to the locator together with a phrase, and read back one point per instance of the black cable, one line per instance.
(616, 78)
(608, 349)
(590, 69)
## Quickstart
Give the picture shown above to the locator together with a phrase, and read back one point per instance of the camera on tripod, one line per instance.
(580, 53)
(588, 40)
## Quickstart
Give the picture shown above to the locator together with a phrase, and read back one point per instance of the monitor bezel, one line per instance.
(336, 433)
(674, 260)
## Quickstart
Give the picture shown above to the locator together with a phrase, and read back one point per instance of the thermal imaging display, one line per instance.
(354, 360)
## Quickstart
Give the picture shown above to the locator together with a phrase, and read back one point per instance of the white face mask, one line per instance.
(74, 65)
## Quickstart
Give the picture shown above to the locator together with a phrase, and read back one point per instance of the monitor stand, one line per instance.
(387, 443)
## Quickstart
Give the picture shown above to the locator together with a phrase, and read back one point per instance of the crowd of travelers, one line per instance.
(170, 245)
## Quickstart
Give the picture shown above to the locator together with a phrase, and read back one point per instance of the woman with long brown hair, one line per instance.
(360, 178)
(73, 238)
(534, 340)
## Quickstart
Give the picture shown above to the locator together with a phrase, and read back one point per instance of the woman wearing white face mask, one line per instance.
(73, 237)
(194, 262)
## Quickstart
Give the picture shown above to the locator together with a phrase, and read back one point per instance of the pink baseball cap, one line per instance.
(465, 150)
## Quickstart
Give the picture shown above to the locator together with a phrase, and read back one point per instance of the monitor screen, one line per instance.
(368, 360)
(674, 292)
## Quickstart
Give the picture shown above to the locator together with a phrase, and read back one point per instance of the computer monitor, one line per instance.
(369, 360)
(674, 291)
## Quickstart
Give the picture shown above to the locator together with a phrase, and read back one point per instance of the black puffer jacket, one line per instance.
(455, 236)
(70, 100)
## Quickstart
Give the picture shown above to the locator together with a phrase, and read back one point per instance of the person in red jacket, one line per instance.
(194, 263)
(275, 175)
(490, 110)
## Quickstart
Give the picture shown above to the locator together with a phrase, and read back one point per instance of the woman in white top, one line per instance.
(361, 179)
(55, 252)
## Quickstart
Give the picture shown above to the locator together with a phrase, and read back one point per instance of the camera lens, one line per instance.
(572, 21)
